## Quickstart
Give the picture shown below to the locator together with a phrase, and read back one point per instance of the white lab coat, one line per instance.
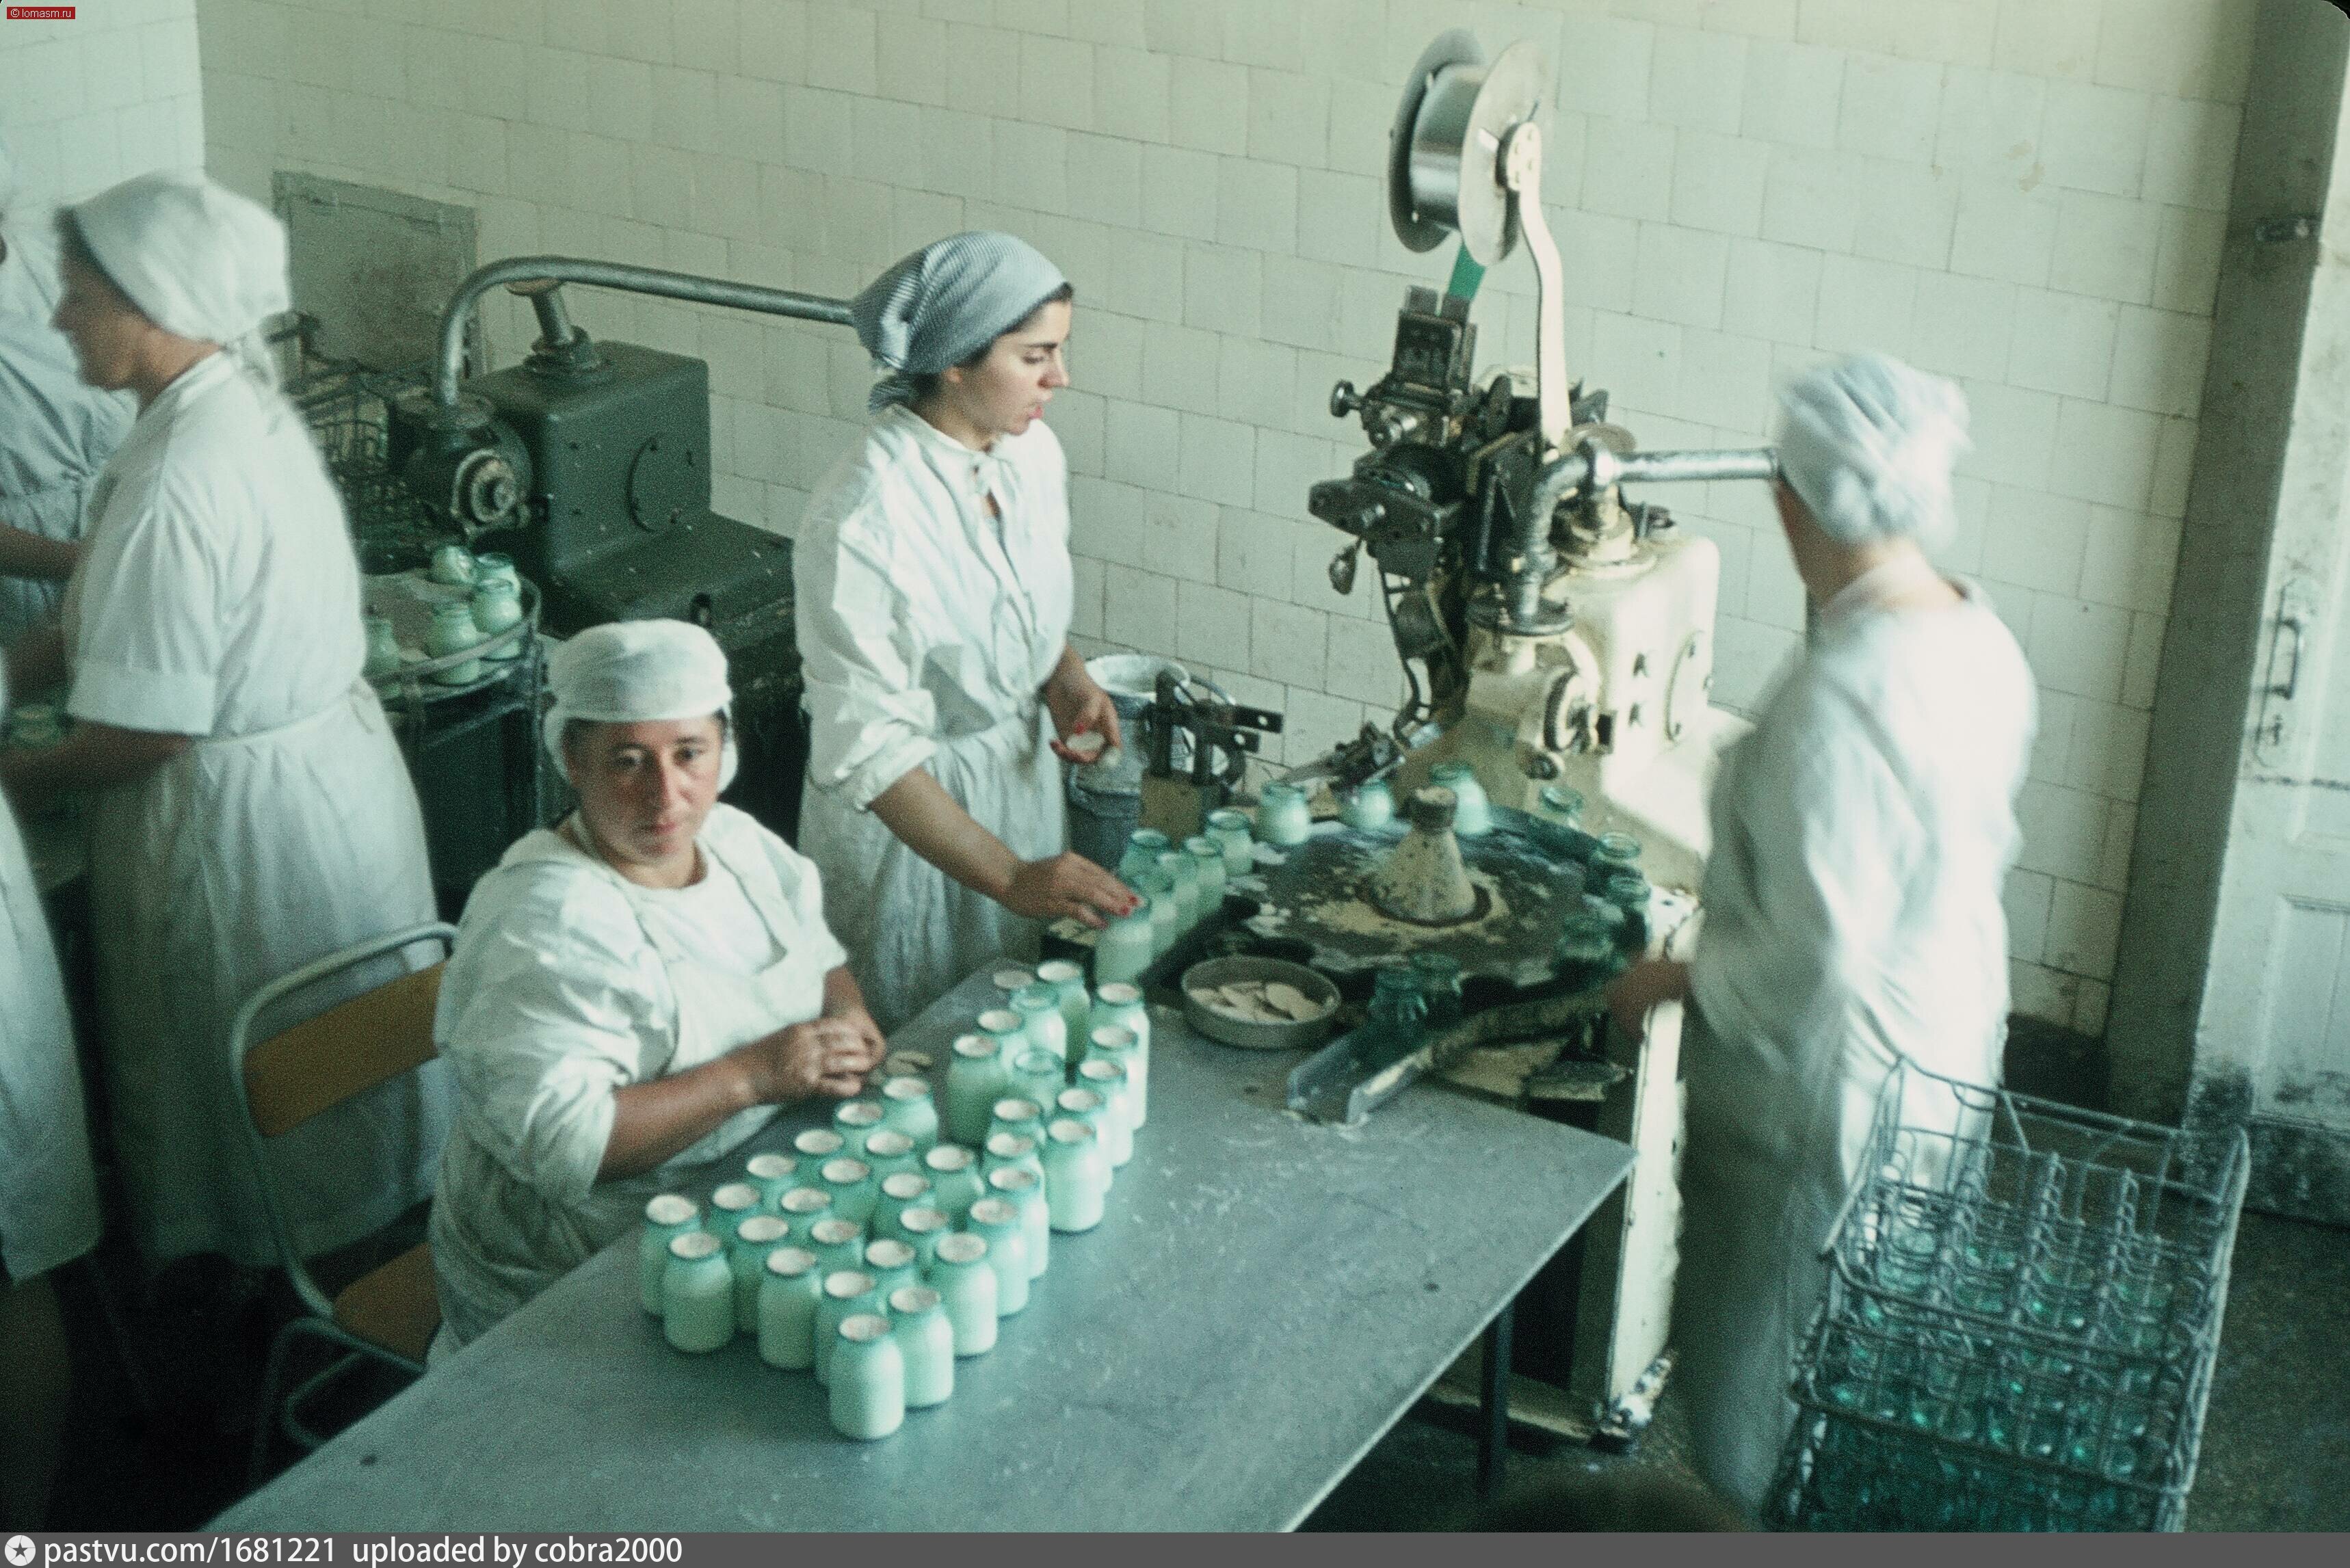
(55, 432)
(49, 1191)
(1861, 835)
(927, 630)
(570, 983)
(219, 597)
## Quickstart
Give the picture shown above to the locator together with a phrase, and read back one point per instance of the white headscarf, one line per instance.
(946, 302)
(639, 672)
(201, 261)
(1868, 443)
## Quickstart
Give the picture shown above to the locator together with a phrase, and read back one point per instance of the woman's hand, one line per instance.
(1640, 989)
(845, 1001)
(1079, 707)
(824, 1056)
(1066, 885)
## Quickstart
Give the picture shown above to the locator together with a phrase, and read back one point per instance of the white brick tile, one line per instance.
(2048, 37)
(2063, 344)
(1178, 193)
(1252, 554)
(1773, 291)
(2025, 901)
(750, 121)
(2183, 49)
(2145, 663)
(1300, 304)
(1207, 106)
(795, 359)
(1056, 82)
(1343, 40)
(1106, 520)
(2113, 863)
(1717, 184)
(1636, 359)
(1256, 205)
(1603, 249)
(1865, 307)
(2090, 1010)
(1358, 132)
(2043, 993)
(1775, 593)
(1679, 274)
(1363, 664)
(2013, 432)
(885, 138)
(1747, 657)
(1145, 279)
(2158, 360)
(1562, 173)
(1725, 382)
(1131, 94)
(1696, 80)
(1961, 325)
(2187, 260)
(1289, 116)
(842, 53)
(1890, 107)
(2109, 453)
(2190, 153)
(1212, 624)
(2106, 246)
(1736, 545)
(1339, 216)
(1217, 459)
(1317, 722)
(1140, 444)
(2063, 830)
(2094, 138)
(1286, 468)
(2132, 560)
(2051, 740)
(1030, 15)
(1287, 642)
(2079, 649)
(1179, 367)
(2035, 540)
(775, 41)
(1793, 93)
(2109, 751)
(1223, 289)
(2174, 468)
(2002, 233)
(817, 130)
(1138, 609)
(1811, 199)
(1612, 67)
(685, 109)
(1256, 381)
(1184, 27)
(1960, 30)
(986, 75)
(1178, 537)
(1991, 122)
(1078, 418)
(1086, 603)
(1104, 180)
(1627, 168)
(1032, 166)
(2084, 926)
(1963, 552)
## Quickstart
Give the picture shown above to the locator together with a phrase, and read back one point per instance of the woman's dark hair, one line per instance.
(926, 384)
(72, 247)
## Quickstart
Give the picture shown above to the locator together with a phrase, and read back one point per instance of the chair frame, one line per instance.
(318, 1321)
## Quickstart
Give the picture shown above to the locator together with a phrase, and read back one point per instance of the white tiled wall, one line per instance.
(2024, 195)
(89, 101)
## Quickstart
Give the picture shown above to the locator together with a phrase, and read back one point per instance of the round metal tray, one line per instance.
(1250, 1036)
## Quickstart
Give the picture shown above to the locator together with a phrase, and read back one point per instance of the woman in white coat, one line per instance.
(635, 990)
(932, 591)
(48, 1193)
(248, 809)
(1861, 835)
(55, 431)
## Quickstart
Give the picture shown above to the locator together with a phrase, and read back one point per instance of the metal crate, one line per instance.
(348, 411)
(2024, 1304)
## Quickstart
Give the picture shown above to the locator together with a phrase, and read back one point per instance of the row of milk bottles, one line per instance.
(885, 1247)
(1177, 887)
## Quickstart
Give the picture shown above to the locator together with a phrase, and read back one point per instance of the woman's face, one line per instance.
(645, 789)
(1023, 367)
(106, 330)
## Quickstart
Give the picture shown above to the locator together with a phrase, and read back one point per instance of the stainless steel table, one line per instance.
(1265, 1298)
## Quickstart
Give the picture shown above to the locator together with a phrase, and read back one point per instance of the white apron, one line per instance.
(241, 860)
(48, 1193)
(498, 1240)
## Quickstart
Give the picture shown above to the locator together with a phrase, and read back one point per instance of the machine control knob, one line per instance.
(487, 489)
(1344, 399)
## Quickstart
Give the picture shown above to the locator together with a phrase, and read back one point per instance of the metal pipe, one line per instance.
(612, 274)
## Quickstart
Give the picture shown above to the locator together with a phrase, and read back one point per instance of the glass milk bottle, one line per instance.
(1010, 981)
(496, 607)
(1116, 1043)
(669, 1216)
(1122, 1005)
(1472, 814)
(1208, 871)
(814, 1146)
(855, 1193)
(1039, 1007)
(1039, 1075)
(1068, 982)
(1017, 1114)
(867, 1378)
(698, 1293)
(746, 1254)
(1026, 1191)
(892, 1262)
(1106, 1078)
(773, 1175)
(1144, 845)
(888, 1152)
(921, 1228)
(1011, 1148)
(900, 1191)
(1184, 877)
(847, 1292)
(1166, 913)
(801, 1208)
(1283, 818)
(837, 1243)
(1007, 1029)
(382, 646)
(997, 1221)
(1076, 1176)
(966, 1286)
(1127, 945)
(452, 632)
(906, 1064)
(1368, 806)
(1091, 1107)
(730, 1206)
(1234, 835)
(853, 1119)
(918, 1321)
(906, 1107)
(976, 1081)
(955, 1180)
(789, 1294)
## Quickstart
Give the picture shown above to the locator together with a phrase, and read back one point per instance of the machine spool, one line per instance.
(1445, 172)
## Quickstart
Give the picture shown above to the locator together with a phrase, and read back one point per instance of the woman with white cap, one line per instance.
(634, 991)
(55, 431)
(934, 595)
(1861, 835)
(248, 809)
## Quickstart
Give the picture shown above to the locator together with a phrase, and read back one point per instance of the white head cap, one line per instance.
(1868, 443)
(638, 671)
(201, 261)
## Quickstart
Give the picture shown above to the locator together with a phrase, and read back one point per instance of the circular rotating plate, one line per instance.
(1455, 47)
(1513, 92)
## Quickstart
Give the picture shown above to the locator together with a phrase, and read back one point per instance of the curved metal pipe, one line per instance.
(612, 274)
